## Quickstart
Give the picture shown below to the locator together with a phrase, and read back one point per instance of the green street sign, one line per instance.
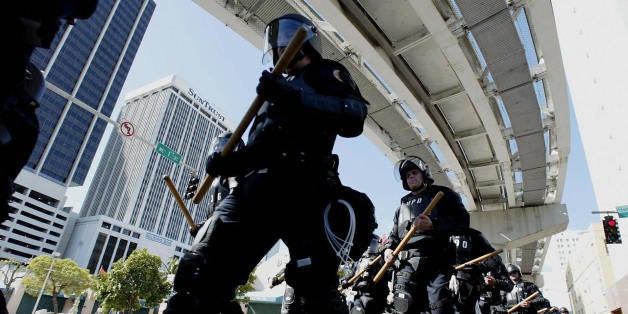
(622, 211)
(168, 153)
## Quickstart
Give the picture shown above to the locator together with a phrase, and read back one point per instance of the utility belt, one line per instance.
(297, 159)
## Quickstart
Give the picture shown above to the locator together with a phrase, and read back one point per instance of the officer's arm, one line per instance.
(539, 301)
(337, 96)
(393, 238)
(348, 112)
(455, 218)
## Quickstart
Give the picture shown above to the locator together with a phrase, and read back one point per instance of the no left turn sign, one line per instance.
(127, 129)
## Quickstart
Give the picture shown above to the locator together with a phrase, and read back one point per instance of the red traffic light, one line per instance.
(612, 223)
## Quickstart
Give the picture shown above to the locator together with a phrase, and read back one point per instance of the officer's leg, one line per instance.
(370, 305)
(439, 294)
(289, 304)
(485, 306)
(313, 267)
(357, 307)
(407, 296)
(467, 297)
(193, 273)
(216, 261)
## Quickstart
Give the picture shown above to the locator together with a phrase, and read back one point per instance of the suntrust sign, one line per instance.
(205, 104)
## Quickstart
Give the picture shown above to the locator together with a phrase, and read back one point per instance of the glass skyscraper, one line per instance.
(85, 69)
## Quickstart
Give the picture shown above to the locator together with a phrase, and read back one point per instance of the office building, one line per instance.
(589, 35)
(85, 69)
(128, 204)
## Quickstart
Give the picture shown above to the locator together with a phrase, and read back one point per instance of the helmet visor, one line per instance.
(278, 35)
(218, 144)
(408, 162)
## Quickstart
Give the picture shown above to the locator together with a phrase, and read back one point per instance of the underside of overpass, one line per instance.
(475, 88)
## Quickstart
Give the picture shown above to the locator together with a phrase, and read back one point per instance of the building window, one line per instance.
(98, 247)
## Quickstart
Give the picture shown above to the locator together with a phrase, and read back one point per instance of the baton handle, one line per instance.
(532, 296)
(407, 237)
(177, 197)
(356, 276)
(286, 57)
(479, 259)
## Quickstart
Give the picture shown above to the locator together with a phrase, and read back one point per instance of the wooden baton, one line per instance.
(286, 57)
(356, 276)
(532, 296)
(409, 235)
(479, 259)
(177, 197)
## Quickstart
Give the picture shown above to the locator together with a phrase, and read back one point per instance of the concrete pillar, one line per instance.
(517, 227)
(16, 297)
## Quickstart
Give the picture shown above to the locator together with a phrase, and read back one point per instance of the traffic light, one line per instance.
(191, 189)
(611, 230)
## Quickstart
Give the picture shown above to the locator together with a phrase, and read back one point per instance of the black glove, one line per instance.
(277, 90)
(193, 232)
(216, 164)
(345, 284)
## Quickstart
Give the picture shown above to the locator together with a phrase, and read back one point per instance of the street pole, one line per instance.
(41, 291)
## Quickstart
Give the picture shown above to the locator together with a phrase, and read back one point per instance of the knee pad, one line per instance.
(203, 230)
(288, 297)
(357, 308)
(403, 302)
(191, 272)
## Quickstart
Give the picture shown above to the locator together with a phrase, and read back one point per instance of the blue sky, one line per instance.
(184, 40)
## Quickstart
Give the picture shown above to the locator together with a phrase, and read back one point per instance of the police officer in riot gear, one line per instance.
(425, 265)
(25, 26)
(496, 284)
(221, 186)
(370, 297)
(521, 290)
(477, 282)
(287, 178)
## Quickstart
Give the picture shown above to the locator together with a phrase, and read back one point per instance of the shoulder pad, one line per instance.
(331, 78)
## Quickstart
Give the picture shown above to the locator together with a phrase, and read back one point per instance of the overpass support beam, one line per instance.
(517, 227)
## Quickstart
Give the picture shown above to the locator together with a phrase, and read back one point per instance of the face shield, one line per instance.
(219, 143)
(278, 34)
(401, 166)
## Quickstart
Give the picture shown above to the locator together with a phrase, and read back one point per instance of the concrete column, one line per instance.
(517, 227)
(16, 297)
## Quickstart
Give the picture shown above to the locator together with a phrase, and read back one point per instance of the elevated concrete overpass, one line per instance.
(475, 88)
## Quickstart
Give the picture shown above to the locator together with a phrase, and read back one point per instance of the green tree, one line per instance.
(66, 276)
(132, 281)
(12, 270)
(170, 268)
(241, 290)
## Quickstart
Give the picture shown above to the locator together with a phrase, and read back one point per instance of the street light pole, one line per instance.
(41, 291)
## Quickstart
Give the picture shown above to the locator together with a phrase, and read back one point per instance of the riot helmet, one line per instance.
(280, 31)
(563, 310)
(373, 246)
(409, 163)
(513, 268)
(219, 142)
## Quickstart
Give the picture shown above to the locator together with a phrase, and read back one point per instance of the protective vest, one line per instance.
(331, 105)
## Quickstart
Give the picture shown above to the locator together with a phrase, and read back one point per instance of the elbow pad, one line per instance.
(348, 112)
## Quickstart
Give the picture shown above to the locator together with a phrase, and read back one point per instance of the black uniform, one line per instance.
(470, 245)
(25, 26)
(521, 290)
(370, 297)
(493, 295)
(286, 180)
(428, 258)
